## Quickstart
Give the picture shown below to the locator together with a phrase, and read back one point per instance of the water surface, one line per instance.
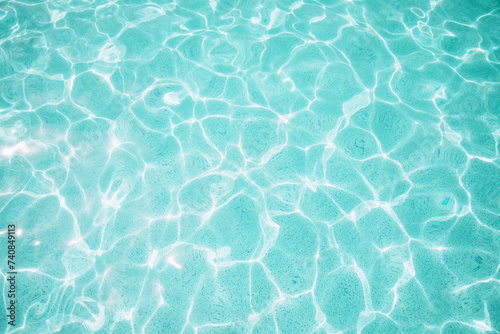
(252, 166)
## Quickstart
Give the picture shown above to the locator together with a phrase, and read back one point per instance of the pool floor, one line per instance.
(239, 166)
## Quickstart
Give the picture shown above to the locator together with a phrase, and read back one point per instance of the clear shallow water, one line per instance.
(245, 167)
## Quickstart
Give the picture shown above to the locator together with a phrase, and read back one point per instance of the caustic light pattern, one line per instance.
(204, 166)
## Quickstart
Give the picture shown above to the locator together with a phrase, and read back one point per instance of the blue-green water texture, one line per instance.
(251, 166)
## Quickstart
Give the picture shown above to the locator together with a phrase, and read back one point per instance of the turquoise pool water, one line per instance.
(244, 166)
